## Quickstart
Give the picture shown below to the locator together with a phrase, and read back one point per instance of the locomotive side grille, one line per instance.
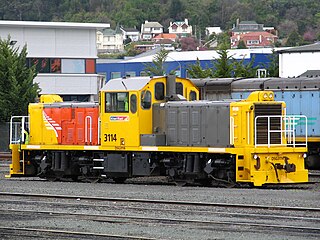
(262, 123)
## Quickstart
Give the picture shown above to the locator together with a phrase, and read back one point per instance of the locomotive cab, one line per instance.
(126, 107)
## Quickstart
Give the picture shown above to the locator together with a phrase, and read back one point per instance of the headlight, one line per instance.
(255, 156)
(304, 155)
(265, 96)
(271, 95)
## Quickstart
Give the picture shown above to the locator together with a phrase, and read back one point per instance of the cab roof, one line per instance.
(126, 84)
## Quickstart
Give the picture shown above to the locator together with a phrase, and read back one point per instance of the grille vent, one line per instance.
(262, 123)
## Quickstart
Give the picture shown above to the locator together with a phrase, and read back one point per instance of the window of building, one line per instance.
(117, 102)
(179, 88)
(72, 66)
(42, 64)
(55, 65)
(133, 103)
(130, 74)
(143, 74)
(253, 42)
(90, 66)
(115, 75)
(146, 99)
(159, 91)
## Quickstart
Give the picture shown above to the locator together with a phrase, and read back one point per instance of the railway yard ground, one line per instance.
(32, 208)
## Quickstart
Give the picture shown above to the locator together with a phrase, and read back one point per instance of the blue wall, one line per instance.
(260, 59)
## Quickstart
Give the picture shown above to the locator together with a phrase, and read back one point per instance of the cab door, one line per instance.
(119, 120)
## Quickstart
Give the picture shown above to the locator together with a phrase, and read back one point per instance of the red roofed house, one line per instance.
(165, 40)
(252, 34)
(254, 39)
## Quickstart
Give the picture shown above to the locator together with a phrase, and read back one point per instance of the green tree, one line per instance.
(223, 66)
(196, 71)
(17, 89)
(245, 70)
(273, 66)
(157, 67)
(241, 45)
(294, 39)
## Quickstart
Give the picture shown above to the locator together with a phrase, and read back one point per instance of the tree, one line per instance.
(17, 89)
(245, 70)
(223, 67)
(273, 66)
(157, 68)
(241, 45)
(294, 39)
(196, 71)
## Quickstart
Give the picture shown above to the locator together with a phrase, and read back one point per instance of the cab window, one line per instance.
(179, 88)
(192, 96)
(159, 91)
(133, 103)
(146, 99)
(116, 102)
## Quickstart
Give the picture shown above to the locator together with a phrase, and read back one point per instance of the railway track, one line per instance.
(126, 200)
(52, 211)
(59, 234)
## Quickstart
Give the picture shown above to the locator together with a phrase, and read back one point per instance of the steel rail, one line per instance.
(85, 234)
(106, 218)
(78, 204)
(168, 202)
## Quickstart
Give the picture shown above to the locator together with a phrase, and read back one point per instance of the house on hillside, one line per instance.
(254, 40)
(210, 30)
(150, 29)
(109, 40)
(165, 40)
(130, 33)
(252, 34)
(181, 28)
(244, 27)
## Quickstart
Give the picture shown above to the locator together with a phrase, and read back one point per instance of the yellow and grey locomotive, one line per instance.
(157, 126)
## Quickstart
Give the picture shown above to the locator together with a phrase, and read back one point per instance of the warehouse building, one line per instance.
(64, 53)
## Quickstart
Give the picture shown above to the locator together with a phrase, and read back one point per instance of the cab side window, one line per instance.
(133, 103)
(146, 99)
(159, 91)
(192, 96)
(116, 102)
(179, 88)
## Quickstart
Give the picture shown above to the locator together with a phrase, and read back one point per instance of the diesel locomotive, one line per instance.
(301, 96)
(157, 126)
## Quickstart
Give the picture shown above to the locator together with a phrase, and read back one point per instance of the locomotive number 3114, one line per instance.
(110, 137)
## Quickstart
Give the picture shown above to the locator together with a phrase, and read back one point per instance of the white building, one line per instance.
(130, 33)
(150, 30)
(109, 40)
(210, 30)
(297, 60)
(181, 28)
(64, 53)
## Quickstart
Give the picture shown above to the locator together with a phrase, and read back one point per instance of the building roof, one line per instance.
(248, 26)
(54, 24)
(315, 47)
(152, 25)
(311, 73)
(202, 55)
(130, 30)
(170, 36)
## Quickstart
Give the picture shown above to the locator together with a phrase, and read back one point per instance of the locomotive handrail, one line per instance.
(15, 126)
(88, 127)
(286, 128)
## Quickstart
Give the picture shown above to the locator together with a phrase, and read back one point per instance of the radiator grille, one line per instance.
(262, 123)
